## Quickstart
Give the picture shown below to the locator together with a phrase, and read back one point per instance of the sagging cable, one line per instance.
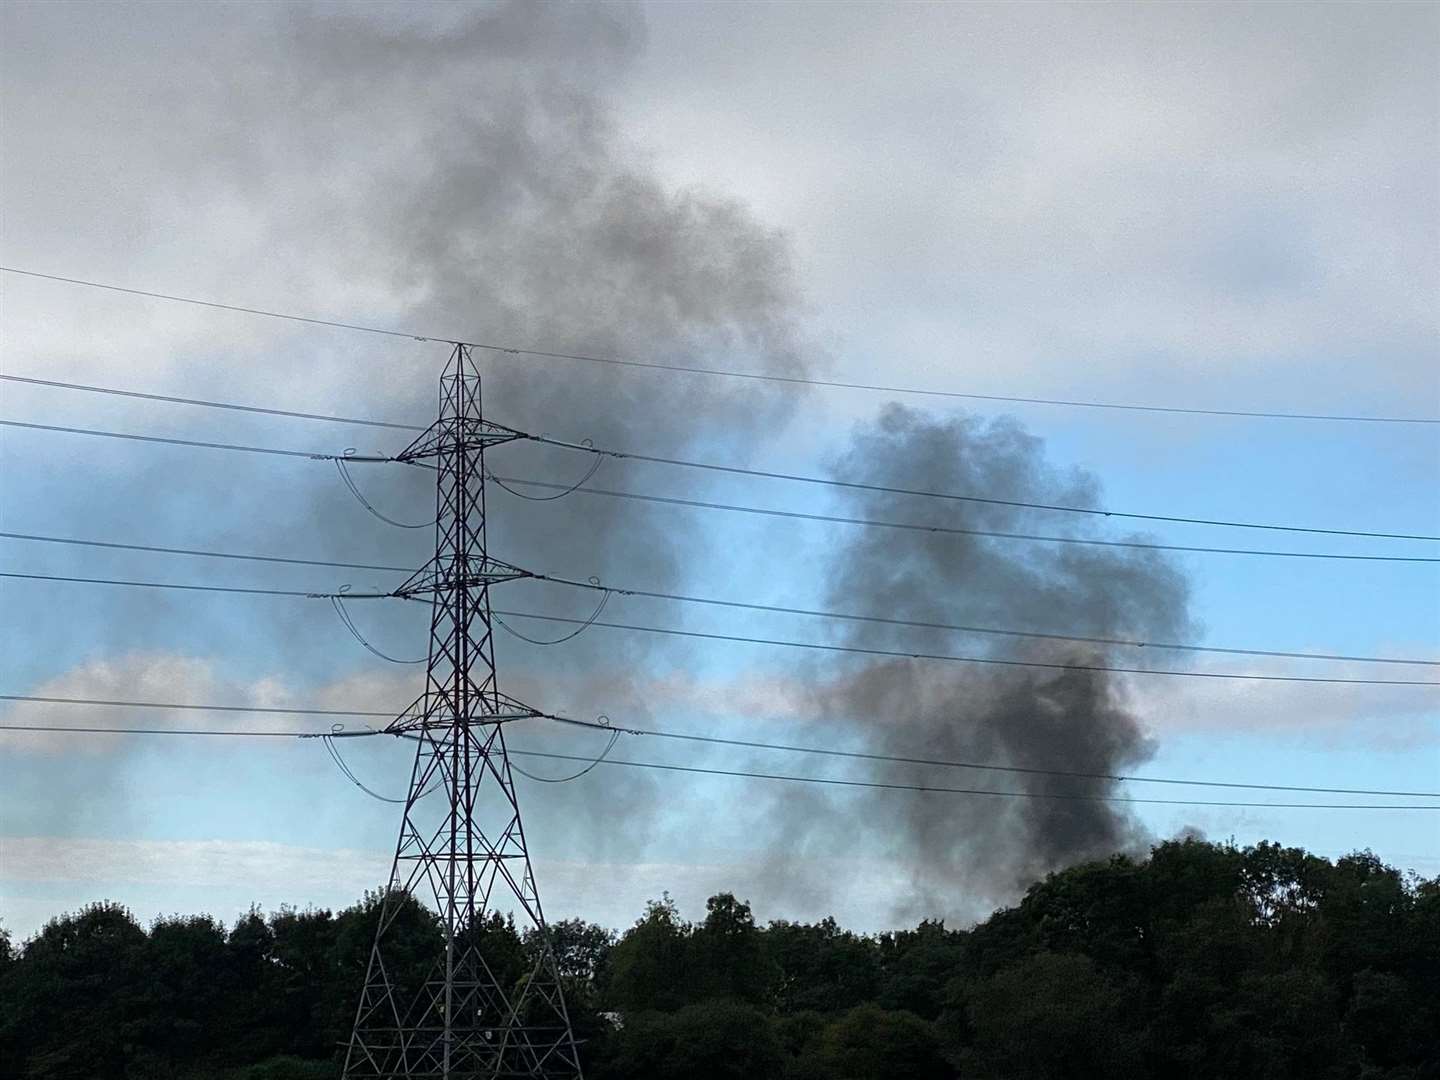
(338, 604)
(594, 468)
(344, 472)
(603, 723)
(584, 625)
(339, 732)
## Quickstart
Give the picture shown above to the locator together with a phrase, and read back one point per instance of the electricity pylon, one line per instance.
(465, 851)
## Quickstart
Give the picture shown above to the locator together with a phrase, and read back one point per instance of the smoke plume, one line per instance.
(459, 171)
(984, 848)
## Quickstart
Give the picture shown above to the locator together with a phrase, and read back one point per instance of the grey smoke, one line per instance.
(967, 851)
(462, 167)
(517, 213)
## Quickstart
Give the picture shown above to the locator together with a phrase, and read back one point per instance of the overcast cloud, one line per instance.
(1215, 205)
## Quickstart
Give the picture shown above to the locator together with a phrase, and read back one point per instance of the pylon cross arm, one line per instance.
(449, 438)
(431, 579)
(431, 710)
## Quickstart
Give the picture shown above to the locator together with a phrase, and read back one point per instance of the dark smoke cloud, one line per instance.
(968, 851)
(518, 213)
(460, 166)
(521, 215)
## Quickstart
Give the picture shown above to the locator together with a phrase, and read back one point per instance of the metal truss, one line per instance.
(463, 848)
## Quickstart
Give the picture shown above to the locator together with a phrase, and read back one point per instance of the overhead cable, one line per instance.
(596, 585)
(268, 710)
(709, 466)
(781, 380)
(605, 753)
(344, 472)
(801, 478)
(936, 789)
(561, 493)
(349, 773)
(980, 766)
(584, 625)
(989, 630)
(161, 585)
(46, 539)
(914, 655)
(168, 441)
(214, 304)
(689, 737)
(832, 781)
(77, 730)
(349, 623)
(953, 530)
(588, 447)
(747, 640)
(230, 405)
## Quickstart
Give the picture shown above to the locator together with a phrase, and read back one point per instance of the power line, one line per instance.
(162, 585)
(259, 709)
(740, 471)
(734, 508)
(370, 508)
(176, 442)
(595, 586)
(962, 628)
(688, 737)
(205, 553)
(748, 640)
(214, 304)
(781, 380)
(903, 655)
(956, 497)
(936, 789)
(942, 763)
(153, 731)
(208, 404)
(683, 598)
(951, 530)
(833, 781)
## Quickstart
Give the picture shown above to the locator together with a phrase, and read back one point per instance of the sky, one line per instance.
(1231, 207)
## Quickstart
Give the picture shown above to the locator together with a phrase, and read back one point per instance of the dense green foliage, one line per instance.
(1202, 961)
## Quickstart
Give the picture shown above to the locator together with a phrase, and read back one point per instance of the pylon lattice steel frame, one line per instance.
(461, 1022)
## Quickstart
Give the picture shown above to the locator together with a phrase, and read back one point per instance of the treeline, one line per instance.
(1202, 961)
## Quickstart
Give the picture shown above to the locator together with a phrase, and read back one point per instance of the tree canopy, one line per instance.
(1200, 961)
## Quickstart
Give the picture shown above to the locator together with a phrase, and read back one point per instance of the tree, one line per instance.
(916, 965)
(80, 996)
(647, 967)
(712, 1040)
(727, 958)
(581, 948)
(1048, 1016)
(821, 967)
(1202, 962)
(255, 1024)
(871, 1043)
(184, 997)
(300, 975)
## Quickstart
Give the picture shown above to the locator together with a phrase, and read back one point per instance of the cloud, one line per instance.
(1313, 713)
(1245, 190)
(1316, 713)
(229, 875)
(264, 864)
(167, 678)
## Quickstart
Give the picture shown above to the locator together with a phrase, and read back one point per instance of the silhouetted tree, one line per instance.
(1201, 962)
(647, 968)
